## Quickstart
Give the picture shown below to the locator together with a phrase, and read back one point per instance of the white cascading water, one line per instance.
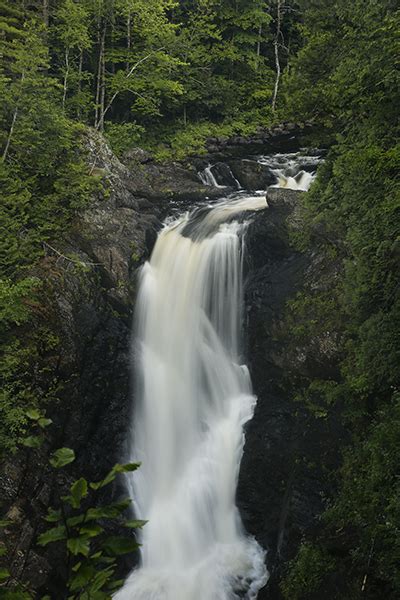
(301, 181)
(288, 170)
(208, 178)
(194, 398)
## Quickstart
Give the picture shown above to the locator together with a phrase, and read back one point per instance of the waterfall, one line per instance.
(294, 171)
(208, 178)
(193, 399)
(239, 187)
(301, 181)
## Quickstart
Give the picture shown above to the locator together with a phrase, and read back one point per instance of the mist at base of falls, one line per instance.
(193, 399)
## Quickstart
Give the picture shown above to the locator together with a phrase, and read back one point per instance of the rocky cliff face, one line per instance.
(91, 284)
(288, 452)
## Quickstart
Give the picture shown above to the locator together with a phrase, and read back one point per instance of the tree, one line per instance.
(72, 29)
(343, 78)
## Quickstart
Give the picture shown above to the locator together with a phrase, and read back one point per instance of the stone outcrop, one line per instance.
(288, 451)
(283, 137)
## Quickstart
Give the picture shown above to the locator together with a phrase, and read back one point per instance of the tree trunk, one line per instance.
(128, 37)
(259, 41)
(79, 112)
(13, 121)
(100, 73)
(276, 50)
(103, 87)
(10, 134)
(65, 77)
(45, 11)
(259, 46)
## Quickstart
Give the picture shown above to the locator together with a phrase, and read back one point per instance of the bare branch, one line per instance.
(127, 76)
(276, 49)
(70, 260)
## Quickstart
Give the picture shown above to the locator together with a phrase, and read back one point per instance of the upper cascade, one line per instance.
(294, 170)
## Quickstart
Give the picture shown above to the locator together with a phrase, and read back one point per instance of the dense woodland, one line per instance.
(165, 75)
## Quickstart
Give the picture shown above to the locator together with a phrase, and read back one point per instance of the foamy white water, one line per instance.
(194, 397)
(292, 170)
(301, 181)
(208, 178)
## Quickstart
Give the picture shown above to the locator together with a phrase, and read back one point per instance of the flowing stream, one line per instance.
(193, 399)
(293, 170)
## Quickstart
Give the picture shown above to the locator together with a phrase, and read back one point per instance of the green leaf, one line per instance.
(4, 574)
(52, 535)
(53, 515)
(91, 529)
(3, 550)
(110, 511)
(83, 575)
(76, 567)
(79, 490)
(44, 422)
(135, 524)
(127, 467)
(33, 413)
(115, 585)
(100, 579)
(117, 545)
(73, 521)
(32, 441)
(62, 457)
(111, 475)
(79, 545)
(5, 523)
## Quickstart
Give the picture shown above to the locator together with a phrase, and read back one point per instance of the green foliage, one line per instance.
(62, 457)
(22, 391)
(179, 143)
(344, 79)
(78, 528)
(307, 572)
(123, 136)
(43, 182)
(368, 499)
(13, 309)
(148, 63)
(90, 554)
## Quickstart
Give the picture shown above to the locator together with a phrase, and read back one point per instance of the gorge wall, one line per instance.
(90, 280)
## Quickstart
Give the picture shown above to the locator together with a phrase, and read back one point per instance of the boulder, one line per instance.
(278, 196)
(251, 174)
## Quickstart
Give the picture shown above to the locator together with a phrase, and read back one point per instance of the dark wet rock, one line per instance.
(159, 183)
(288, 452)
(224, 176)
(251, 174)
(279, 197)
(285, 137)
